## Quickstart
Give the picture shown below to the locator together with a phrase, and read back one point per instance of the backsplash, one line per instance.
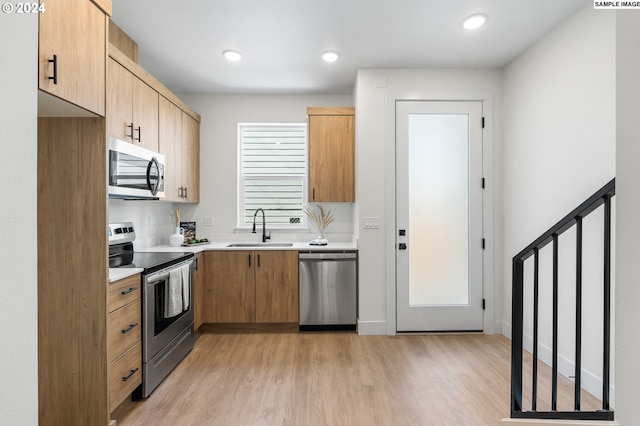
(153, 224)
(151, 220)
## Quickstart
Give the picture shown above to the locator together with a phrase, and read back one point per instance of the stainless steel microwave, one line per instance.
(134, 172)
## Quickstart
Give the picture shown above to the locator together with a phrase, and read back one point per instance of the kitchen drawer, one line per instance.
(123, 329)
(123, 291)
(125, 374)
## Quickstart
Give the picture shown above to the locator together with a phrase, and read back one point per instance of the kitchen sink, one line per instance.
(260, 245)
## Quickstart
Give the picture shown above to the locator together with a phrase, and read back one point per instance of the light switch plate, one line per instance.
(208, 221)
(371, 222)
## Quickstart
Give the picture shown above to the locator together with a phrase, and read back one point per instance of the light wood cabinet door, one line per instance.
(276, 286)
(119, 101)
(169, 144)
(198, 292)
(230, 286)
(331, 155)
(132, 108)
(190, 159)
(145, 115)
(75, 32)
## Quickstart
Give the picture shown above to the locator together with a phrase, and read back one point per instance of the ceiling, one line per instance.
(181, 42)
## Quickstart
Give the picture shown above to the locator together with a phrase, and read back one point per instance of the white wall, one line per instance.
(219, 157)
(559, 148)
(18, 227)
(219, 170)
(373, 89)
(628, 231)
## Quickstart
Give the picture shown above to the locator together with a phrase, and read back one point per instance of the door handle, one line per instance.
(402, 246)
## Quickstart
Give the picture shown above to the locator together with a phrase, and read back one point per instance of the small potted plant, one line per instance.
(321, 220)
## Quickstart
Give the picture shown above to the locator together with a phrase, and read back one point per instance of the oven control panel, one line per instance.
(121, 232)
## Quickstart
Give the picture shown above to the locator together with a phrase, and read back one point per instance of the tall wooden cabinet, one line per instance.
(72, 213)
(132, 108)
(76, 357)
(331, 154)
(72, 272)
(72, 51)
(251, 287)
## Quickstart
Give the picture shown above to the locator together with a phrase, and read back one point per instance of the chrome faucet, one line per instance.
(265, 237)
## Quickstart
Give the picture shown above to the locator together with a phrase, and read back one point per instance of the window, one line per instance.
(273, 172)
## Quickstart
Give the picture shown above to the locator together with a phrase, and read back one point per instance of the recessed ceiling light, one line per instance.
(330, 56)
(474, 21)
(232, 55)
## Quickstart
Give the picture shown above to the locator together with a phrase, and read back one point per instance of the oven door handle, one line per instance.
(159, 277)
(154, 279)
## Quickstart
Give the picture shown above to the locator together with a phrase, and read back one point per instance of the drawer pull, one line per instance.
(132, 289)
(131, 327)
(131, 373)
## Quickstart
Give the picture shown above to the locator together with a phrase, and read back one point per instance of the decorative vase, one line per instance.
(177, 239)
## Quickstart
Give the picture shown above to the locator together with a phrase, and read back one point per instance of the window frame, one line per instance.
(240, 181)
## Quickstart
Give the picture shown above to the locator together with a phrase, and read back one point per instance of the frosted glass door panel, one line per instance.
(438, 209)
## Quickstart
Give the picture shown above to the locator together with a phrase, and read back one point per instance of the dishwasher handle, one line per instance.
(327, 256)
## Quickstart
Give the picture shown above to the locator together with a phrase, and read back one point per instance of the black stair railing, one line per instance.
(600, 198)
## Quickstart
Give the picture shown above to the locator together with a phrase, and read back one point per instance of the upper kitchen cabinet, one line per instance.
(190, 158)
(72, 52)
(132, 107)
(179, 142)
(331, 154)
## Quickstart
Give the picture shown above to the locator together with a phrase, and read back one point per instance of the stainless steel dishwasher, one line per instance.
(328, 290)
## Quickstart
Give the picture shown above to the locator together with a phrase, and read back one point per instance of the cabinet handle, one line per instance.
(139, 134)
(55, 69)
(258, 261)
(128, 329)
(130, 126)
(249, 261)
(131, 289)
(131, 373)
(314, 194)
(186, 192)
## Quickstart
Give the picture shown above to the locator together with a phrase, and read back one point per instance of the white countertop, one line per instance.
(116, 274)
(297, 246)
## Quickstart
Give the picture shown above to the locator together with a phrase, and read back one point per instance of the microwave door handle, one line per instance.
(153, 187)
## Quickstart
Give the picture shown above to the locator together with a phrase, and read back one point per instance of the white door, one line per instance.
(439, 216)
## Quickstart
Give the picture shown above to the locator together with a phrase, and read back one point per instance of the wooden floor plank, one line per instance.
(336, 379)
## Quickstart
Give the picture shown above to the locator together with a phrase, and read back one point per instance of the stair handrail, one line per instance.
(600, 197)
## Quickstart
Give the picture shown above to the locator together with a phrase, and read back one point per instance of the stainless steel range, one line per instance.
(167, 304)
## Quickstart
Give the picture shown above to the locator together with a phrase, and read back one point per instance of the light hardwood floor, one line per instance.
(336, 379)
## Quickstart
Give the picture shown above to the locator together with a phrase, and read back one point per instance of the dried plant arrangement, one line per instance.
(321, 219)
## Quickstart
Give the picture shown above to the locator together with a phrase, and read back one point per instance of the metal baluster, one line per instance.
(554, 355)
(606, 358)
(516, 342)
(578, 350)
(534, 385)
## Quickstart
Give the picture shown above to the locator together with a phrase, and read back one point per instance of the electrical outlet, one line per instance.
(371, 222)
(208, 221)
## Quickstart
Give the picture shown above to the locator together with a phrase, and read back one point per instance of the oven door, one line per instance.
(161, 327)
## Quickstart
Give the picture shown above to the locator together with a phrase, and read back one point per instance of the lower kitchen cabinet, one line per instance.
(251, 287)
(198, 291)
(124, 339)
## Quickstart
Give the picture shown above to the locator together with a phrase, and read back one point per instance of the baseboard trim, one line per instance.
(372, 328)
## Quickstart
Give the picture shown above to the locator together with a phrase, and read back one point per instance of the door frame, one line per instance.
(488, 273)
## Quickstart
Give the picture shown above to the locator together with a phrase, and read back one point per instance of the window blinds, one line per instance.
(273, 172)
